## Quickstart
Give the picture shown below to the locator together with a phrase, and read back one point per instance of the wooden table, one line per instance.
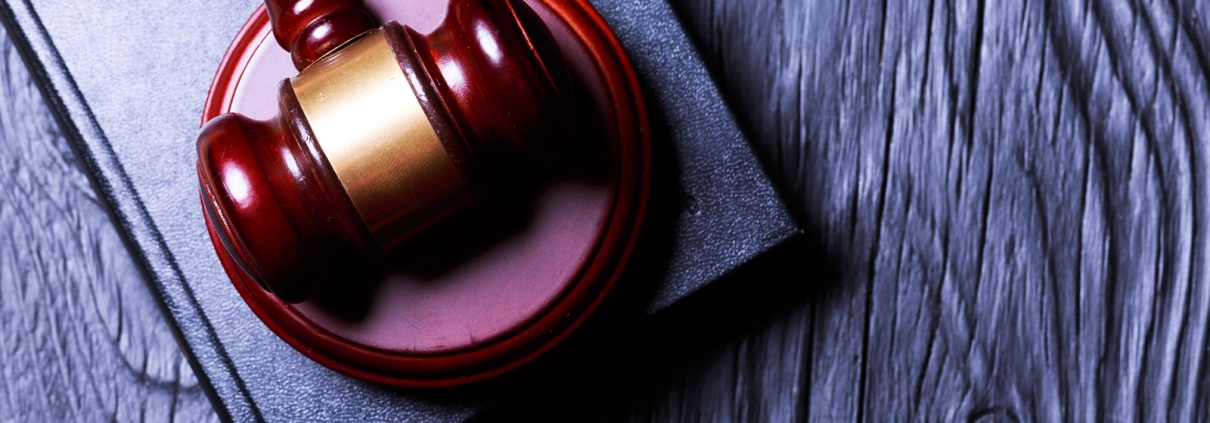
(1009, 202)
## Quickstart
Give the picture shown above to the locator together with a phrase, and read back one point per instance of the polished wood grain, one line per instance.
(494, 88)
(497, 70)
(1010, 195)
(241, 151)
(274, 208)
(310, 29)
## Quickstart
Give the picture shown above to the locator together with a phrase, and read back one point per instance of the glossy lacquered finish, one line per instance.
(309, 29)
(281, 216)
(493, 307)
(494, 90)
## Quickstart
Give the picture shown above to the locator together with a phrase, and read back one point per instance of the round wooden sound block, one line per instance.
(494, 287)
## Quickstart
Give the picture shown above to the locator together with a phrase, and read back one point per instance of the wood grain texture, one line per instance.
(1013, 193)
(81, 335)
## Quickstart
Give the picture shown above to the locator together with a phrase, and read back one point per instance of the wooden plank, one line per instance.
(1027, 238)
(81, 336)
(1011, 196)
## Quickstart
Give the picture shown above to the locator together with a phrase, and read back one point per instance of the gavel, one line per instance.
(383, 133)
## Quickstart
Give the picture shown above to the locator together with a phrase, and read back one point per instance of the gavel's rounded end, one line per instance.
(503, 79)
(283, 195)
(257, 223)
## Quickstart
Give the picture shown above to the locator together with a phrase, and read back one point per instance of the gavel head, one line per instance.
(384, 132)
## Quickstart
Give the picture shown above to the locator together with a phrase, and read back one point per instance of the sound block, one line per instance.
(128, 89)
(483, 294)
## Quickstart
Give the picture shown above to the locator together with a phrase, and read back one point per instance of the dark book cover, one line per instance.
(127, 81)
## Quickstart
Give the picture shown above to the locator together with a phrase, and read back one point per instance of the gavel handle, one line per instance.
(309, 29)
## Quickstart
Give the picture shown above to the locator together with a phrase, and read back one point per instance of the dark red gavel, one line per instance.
(384, 132)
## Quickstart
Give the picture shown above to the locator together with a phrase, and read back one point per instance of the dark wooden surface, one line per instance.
(1013, 194)
(1009, 199)
(81, 337)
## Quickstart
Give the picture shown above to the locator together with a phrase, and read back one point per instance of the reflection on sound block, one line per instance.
(487, 284)
(347, 292)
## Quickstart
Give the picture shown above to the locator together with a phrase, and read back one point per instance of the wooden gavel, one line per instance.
(384, 132)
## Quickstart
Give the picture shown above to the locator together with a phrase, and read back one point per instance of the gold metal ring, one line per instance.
(370, 126)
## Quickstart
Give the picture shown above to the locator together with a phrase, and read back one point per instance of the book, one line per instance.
(127, 81)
